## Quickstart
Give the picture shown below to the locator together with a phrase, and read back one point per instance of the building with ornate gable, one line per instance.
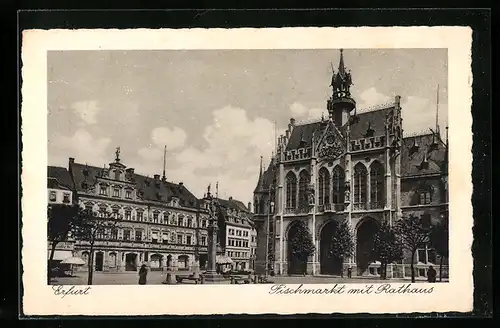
(159, 220)
(351, 165)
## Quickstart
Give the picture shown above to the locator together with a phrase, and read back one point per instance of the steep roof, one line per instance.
(233, 204)
(152, 191)
(373, 119)
(266, 179)
(58, 177)
(412, 157)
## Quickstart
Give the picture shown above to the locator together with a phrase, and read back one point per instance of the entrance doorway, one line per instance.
(328, 264)
(297, 262)
(131, 262)
(203, 261)
(155, 262)
(365, 237)
(99, 261)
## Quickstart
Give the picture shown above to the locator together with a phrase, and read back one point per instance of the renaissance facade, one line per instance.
(159, 222)
(353, 166)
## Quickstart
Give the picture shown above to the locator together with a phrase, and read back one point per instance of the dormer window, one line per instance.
(424, 197)
(66, 197)
(370, 131)
(52, 196)
(414, 147)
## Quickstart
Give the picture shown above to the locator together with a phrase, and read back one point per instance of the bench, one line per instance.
(190, 278)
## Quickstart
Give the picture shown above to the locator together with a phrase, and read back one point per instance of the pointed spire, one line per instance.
(217, 189)
(437, 110)
(260, 181)
(164, 177)
(341, 63)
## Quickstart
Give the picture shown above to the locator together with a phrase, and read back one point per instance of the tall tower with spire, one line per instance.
(341, 103)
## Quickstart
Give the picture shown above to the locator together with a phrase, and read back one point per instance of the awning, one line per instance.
(223, 259)
(60, 255)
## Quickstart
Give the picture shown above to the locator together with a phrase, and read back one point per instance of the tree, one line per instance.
(301, 242)
(439, 235)
(89, 227)
(387, 247)
(61, 218)
(342, 243)
(413, 234)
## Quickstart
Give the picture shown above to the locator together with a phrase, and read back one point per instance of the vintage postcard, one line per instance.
(212, 171)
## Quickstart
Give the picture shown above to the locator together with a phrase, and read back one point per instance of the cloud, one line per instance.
(234, 144)
(371, 97)
(87, 110)
(419, 114)
(150, 153)
(302, 112)
(173, 138)
(82, 145)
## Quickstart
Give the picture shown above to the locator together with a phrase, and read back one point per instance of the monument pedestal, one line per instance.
(213, 276)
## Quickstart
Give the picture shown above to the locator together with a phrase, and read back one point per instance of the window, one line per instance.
(238, 233)
(103, 211)
(126, 234)
(360, 175)
(66, 197)
(253, 239)
(128, 194)
(140, 215)
(203, 240)
(338, 180)
(103, 190)
(155, 217)
(115, 213)
(304, 180)
(89, 208)
(114, 233)
(426, 255)
(190, 222)
(117, 175)
(128, 214)
(138, 235)
(52, 196)
(188, 240)
(116, 192)
(291, 190)
(324, 186)
(154, 237)
(376, 185)
(424, 196)
(179, 239)
(245, 233)
(165, 238)
(180, 221)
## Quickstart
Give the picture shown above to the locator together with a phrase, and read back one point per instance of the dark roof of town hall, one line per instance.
(418, 148)
(152, 190)
(58, 177)
(233, 204)
(374, 119)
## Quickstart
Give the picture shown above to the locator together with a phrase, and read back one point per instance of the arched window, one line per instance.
(324, 186)
(338, 179)
(376, 185)
(304, 180)
(360, 175)
(291, 190)
(262, 209)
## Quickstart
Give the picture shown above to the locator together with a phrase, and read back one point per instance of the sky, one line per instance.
(216, 110)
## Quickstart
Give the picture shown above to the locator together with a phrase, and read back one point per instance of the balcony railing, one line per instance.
(359, 206)
(330, 208)
(376, 205)
(299, 210)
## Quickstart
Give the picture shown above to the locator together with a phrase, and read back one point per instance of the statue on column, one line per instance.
(347, 192)
(311, 194)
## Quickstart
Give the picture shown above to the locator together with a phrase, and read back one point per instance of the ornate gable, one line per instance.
(331, 143)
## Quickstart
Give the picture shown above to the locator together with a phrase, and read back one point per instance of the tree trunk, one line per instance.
(411, 265)
(441, 269)
(91, 265)
(51, 257)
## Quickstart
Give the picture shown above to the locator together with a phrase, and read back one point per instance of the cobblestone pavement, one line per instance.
(156, 278)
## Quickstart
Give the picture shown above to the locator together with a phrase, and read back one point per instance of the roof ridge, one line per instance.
(420, 133)
(375, 108)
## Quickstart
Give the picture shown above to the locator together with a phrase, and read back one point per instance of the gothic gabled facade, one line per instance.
(354, 166)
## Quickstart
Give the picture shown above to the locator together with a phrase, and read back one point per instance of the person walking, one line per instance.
(431, 274)
(143, 273)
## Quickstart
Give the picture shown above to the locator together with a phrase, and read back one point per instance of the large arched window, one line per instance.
(304, 180)
(324, 186)
(360, 175)
(376, 185)
(291, 190)
(338, 179)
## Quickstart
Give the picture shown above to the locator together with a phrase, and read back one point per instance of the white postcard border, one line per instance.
(39, 299)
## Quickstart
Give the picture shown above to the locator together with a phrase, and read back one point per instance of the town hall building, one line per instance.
(353, 166)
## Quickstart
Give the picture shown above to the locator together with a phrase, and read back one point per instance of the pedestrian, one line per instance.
(431, 274)
(349, 271)
(143, 273)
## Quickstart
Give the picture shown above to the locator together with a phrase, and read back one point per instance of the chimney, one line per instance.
(157, 177)
(181, 184)
(230, 198)
(130, 171)
(71, 160)
(291, 125)
(250, 207)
